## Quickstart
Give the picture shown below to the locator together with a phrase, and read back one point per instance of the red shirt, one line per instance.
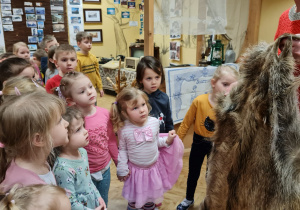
(53, 83)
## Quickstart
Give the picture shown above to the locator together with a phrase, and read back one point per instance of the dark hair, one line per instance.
(83, 35)
(7, 55)
(64, 48)
(39, 54)
(12, 67)
(47, 38)
(51, 53)
(151, 63)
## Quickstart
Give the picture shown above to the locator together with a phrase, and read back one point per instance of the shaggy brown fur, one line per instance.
(255, 160)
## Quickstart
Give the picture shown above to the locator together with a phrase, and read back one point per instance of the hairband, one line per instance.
(115, 102)
(34, 82)
(17, 91)
(2, 145)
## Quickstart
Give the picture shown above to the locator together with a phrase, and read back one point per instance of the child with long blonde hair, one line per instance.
(30, 126)
(79, 91)
(71, 167)
(148, 171)
(202, 114)
(39, 196)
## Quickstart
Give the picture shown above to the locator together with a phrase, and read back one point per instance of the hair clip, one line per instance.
(35, 83)
(17, 91)
(3, 146)
(60, 95)
(115, 102)
(13, 201)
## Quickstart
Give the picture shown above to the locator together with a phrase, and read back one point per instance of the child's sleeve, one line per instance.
(49, 86)
(122, 167)
(98, 77)
(169, 121)
(188, 120)
(78, 67)
(66, 179)
(112, 142)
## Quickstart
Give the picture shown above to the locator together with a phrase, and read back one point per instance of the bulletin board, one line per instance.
(55, 18)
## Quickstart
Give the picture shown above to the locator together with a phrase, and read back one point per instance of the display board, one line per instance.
(29, 21)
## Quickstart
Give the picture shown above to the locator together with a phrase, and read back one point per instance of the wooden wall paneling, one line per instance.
(149, 27)
(21, 32)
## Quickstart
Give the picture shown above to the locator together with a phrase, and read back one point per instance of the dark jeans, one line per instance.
(200, 148)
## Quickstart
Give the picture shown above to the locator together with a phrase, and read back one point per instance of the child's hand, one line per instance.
(101, 93)
(102, 205)
(171, 136)
(124, 178)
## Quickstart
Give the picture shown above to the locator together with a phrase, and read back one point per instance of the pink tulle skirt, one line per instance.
(149, 184)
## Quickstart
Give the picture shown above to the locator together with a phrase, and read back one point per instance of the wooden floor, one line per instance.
(172, 198)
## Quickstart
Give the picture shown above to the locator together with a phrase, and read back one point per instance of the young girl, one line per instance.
(79, 91)
(52, 70)
(39, 196)
(71, 168)
(147, 171)
(15, 67)
(201, 113)
(149, 77)
(21, 50)
(31, 125)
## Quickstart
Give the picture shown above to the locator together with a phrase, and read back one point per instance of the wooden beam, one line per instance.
(149, 27)
(253, 24)
(200, 45)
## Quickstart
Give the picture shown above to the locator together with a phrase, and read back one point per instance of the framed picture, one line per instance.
(96, 34)
(92, 15)
(92, 1)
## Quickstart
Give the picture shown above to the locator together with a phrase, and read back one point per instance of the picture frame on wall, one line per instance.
(96, 34)
(92, 15)
(91, 1)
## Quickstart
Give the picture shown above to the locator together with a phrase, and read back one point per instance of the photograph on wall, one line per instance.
(111, 11)
(125, 14)
(40, 24)
(32, 39)
(76, 29)
(141, 7)
(175, 29)
(74, 2)
(117, 1)
(8, 28)
(5, 1)
(6, 21)
(40, 38)
(38, 4)
(31, 24)
(58, 27)
(40, 17)
(75, 10)
(34, 32)
(30, 17)
(57, 18)
(131, 5)
(29, 4)
(16, 18)
(92, 15)
(75, 20)
(57, 2)
(57, 9)
(17, 11)
(6, 13)
(175, 51)
(141, 31)
(32, 47)
(141, 17)
(29, 10)
(40, 10)
(5, 7)
(123, 2)
(142, 24)
(40, 32)
(96, 34)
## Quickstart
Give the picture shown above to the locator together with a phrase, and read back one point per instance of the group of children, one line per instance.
(64, 139)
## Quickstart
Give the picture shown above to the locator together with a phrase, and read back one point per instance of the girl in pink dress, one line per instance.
(148, 163)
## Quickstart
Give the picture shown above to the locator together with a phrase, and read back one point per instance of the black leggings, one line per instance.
(200, 148)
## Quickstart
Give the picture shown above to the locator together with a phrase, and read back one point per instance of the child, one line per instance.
(201, 113)
(79, 91)
(36, 58)
(52, 70)
(15, 67)
(21, 50)
(39, 196)
(149, 77)
(87, 62)
(148, 172)
(65, 61)
(71, 168)
(31, 125)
